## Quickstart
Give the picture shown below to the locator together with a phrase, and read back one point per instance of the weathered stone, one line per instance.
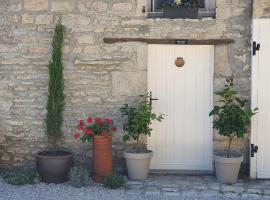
(61, 6)
(222, 66)
(86, 39)
(36, 5)
(129, 83)
(75, 20)
(44, 19)
(99, 6)
(261, 8)
(27, 19)
(122, 7)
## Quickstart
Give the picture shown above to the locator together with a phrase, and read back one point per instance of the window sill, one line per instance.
(201, 15)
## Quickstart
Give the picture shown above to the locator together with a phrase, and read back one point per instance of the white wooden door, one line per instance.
(183, 141)
(260, 128)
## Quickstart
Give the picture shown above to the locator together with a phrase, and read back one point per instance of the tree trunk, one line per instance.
(229, 147)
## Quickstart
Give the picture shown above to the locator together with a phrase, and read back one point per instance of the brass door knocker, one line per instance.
(180, 62)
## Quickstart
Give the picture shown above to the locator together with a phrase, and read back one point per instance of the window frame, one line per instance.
(209, 9)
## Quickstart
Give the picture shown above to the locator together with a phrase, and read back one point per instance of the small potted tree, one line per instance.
(181, 8)
(99, 131)
(53, 165)
(232, 119)
(138, 123)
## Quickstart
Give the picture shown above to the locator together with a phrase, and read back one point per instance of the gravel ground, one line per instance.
(44, 191)
(154, 188)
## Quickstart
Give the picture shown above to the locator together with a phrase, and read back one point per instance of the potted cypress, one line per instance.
(181, 8)
(232, 119)
(138, 122)
(98, 131)
(53, 165)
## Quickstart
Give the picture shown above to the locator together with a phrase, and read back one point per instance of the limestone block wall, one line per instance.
(261, 9)
(99, 77)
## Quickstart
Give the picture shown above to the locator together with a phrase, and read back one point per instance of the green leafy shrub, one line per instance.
(139, 120)
(114, 181)
(21, 178)
(79, 177)
(232, 118)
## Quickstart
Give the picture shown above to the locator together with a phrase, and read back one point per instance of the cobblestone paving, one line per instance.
(197, 188)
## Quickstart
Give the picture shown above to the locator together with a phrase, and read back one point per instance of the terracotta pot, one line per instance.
(54, 167)
(102, 158)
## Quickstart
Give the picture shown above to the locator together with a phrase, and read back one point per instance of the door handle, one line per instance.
(152, 99)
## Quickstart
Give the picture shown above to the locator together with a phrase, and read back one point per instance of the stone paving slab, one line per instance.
(181, 187)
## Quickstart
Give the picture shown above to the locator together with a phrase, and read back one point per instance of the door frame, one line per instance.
(211, 139)
(254, 93)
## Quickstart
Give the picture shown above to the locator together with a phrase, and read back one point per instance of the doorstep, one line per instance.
(181, 172)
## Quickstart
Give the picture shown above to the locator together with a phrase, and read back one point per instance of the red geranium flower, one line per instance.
(81, 126)
(105, 134)
(107, 120)
(114, 129)
(90, 120)
(98, 120)
(77, 135)
(89, 132)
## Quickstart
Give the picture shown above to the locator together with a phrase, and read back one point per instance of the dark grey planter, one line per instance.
(176, 12)
(53, 167)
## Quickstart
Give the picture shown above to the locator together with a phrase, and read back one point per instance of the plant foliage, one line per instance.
(192, 4)
(94, 126)
(114, 181)
(21, 178)
(139, 120)
(233, 117)
(56, 98)
(79, 177)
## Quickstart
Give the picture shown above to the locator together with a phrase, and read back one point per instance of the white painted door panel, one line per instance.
(260, 131)
(183, 141)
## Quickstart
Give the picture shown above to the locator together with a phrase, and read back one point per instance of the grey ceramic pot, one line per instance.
(138, 164)
(53, 167)
(227, 169)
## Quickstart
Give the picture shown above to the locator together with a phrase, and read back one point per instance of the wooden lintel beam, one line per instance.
(170, 41)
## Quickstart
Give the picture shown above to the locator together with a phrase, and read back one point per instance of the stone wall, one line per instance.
(261, 9)
(99, 77)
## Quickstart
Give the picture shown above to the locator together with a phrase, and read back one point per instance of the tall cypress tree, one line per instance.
(56, 98)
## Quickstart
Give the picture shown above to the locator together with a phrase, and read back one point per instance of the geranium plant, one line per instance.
(232, 118)
(91, 127)
(193, 4)
(139, 120)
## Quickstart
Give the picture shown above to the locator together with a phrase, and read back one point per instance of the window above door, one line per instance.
(172, 8)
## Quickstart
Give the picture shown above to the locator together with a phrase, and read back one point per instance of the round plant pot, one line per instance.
(102, 155)
(138, 164)
(53, 167)
(227, 169)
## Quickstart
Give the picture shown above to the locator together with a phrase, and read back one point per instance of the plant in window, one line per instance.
(180, 8)
(193, 4)
(232, 119)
